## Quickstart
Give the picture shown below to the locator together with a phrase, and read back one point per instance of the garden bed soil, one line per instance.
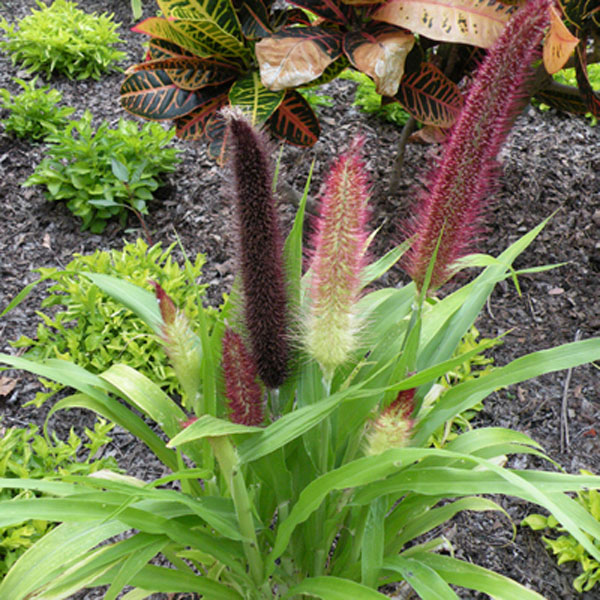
(550, 165)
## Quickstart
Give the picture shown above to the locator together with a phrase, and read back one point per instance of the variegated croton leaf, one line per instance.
(198, 61)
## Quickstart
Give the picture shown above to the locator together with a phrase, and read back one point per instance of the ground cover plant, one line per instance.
(104, 172)
(61, 38)
(34, 113)
(93, 330)
(24, 453)
(340, 482)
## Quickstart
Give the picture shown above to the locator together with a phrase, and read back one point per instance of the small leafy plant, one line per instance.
(105, 173)
(33, 113)
(565, 547)
(62, 38)
(26, 454)
(93, 330)
(370, 102)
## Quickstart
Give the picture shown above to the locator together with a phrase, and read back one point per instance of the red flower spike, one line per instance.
(260, 251)
(241, 388)
(452, 210)
(166, 306)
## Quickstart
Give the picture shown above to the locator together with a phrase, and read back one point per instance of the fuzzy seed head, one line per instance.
(242, 390)
(452, 209)
(340, 244)
(260, 249)
(393, 427)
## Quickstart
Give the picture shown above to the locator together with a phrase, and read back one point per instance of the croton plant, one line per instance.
(255, 54)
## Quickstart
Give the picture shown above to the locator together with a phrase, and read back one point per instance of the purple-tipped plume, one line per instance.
(452, 209)
(241, 387)
(340, 244)
(260, 251)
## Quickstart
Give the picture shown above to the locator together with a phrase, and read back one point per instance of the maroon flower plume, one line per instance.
(241, 388)
(260, 251)
(451, 211)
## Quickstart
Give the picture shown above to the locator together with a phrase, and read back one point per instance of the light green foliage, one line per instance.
(567, 77)
(315, 98)
(565, 547)
(95, 331)
(33, 113)
(106, 172)
(61, 38)
(26, 454)
(476, 366)
(369, 101)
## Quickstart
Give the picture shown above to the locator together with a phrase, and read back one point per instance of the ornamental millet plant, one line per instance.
(450, 212)
(340, 244)
(260, 250)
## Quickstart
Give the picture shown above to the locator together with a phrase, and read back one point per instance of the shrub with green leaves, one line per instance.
(33, 113)
(370, 102)
(62, 38)
(26, 454)
(105, 173)
(90, 328)
(565, 547)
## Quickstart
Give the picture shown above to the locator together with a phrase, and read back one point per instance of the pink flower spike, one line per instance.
(241, 387)
(340, 244)
(452, 210)
(393, 427)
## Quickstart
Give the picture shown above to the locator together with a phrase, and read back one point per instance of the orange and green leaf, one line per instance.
(475, 22)
(219, 12)
(152, 95)
(256, 101)
(294, 121)
(191, 73)
(193, 125)
(430, 97)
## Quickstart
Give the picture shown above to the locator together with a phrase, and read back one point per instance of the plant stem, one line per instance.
(230, 466)
(408, 128)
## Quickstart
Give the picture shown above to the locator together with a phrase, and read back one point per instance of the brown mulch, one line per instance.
(551, 164)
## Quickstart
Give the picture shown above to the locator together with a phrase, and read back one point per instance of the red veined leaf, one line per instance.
(191, 73)
(152, 95)
(286, 17)
(254, 18)
(216, 133)
(295, 121)
(209, 33)
(330, 10)
(380, 50)
(475, 22)
(296, 55)
(591, 98)
(430, 97)
(193, 125)
(558, 45)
